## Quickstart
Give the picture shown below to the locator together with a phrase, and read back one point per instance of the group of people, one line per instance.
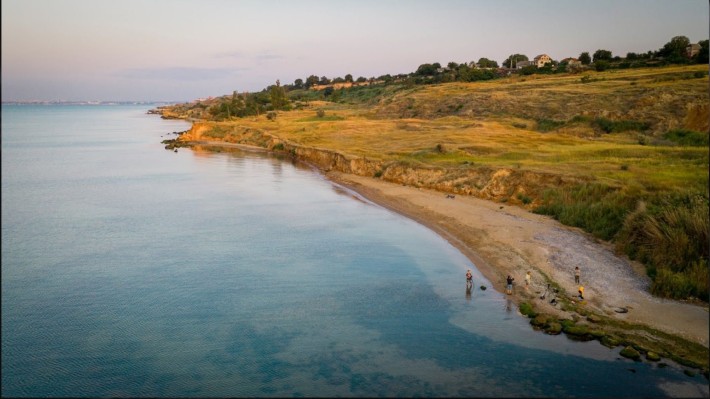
(528, 277)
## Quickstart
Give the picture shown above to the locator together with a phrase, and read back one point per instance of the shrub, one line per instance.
(524, 199)
(687, 137)
(594, 207)
(526, 309)
(610, 126)
(320, 113)
(271, 115)
(546, 125)
(278, 147)
(601, 65)
(671, 238)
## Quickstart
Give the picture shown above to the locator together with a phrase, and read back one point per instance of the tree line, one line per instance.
(278, 97)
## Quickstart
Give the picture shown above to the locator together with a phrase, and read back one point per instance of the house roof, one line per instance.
(541, 55)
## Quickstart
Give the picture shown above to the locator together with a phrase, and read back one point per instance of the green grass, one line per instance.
(687, 137)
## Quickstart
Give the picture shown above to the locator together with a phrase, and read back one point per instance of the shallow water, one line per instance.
(128, 270)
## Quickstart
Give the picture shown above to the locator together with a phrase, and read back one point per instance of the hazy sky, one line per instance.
(179, 50)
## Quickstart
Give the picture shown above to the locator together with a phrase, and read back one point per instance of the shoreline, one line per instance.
(519, 247)
(500, 239)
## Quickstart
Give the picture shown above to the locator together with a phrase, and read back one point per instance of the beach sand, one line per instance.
(502, 240)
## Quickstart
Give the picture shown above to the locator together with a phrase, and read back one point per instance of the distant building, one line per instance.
(523, 64)
(541, 60)
(572, 61)
(692, 50)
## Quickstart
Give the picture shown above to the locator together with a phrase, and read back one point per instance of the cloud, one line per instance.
(178, 73)
(259, 58)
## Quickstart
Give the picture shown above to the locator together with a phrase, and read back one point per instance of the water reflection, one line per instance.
(468, 292)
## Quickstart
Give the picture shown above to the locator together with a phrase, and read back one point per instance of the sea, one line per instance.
(132, 271)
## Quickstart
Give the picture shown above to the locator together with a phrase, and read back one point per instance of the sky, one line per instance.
(181, 50)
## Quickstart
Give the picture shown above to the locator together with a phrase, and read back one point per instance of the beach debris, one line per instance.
(483, 288)
(621, 310)
(450, 196)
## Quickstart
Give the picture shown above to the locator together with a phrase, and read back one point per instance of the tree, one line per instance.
(361, 79)
(702, 56)
(428, 69)
(601, 65)
(512, 60)
(298, 84)
(349, 78)
(585, 59)
(278, 96)
(323, 80)
(674, 49)
(600, 54)
(311, 81)
(486, 63)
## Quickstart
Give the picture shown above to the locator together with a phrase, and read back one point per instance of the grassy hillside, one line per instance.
(622, 154)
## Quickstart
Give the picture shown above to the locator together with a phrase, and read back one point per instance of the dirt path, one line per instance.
(503, 240)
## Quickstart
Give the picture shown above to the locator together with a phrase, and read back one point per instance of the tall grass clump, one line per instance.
(687, 137)
(546, 125)
(671, 238)
(610, 126)
(594, 207)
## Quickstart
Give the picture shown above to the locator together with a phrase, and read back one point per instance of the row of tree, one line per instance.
(275, 97)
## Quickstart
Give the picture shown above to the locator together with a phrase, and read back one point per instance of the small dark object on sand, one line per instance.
(483, 288)
(621, 310)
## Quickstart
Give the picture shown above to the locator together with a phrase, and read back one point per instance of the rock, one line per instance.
(598, 334)
(539, 320)
(553, 328)
(483, 288)
(631, 353)
(576, 330)
(610, 341)
(652, 356)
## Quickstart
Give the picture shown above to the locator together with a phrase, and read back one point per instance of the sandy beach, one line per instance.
(502, 240)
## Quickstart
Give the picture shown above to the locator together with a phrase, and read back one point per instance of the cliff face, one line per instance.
(513, 186)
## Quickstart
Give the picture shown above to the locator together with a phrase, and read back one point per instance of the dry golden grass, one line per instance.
(495, 126)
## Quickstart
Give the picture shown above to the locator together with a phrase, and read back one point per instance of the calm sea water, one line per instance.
(128, 270)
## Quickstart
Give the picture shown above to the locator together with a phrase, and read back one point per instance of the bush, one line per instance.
(671, 238)
(687, 137)
(320, 113)
(594, 207)
(524, 199)
(526, 309)
(271, 115)
(546, 125)
(610, 126)
(601, 65)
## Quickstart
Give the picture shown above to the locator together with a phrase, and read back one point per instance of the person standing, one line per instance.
(509, 287)
(581, 292)
(469, 279)
(576, 274)
(528, 277)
